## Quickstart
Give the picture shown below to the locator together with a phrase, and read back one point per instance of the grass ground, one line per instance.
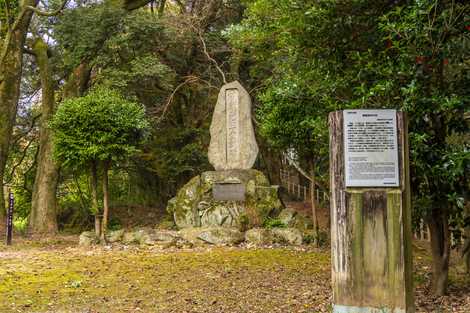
(57, 276)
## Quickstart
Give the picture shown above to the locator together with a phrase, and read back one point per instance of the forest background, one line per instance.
(299, 60)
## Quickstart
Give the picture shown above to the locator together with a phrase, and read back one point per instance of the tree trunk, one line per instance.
(94, 198)
(43, 217)
(104, 224)
(440, 247)
(313, 201)
(466, 252)
(466, 245)
(78, 80)
(2, 202)
(11, 63)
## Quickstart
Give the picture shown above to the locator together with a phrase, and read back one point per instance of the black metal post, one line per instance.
(11, 204)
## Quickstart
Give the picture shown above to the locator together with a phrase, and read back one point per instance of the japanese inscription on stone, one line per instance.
(370, 145)
(233, 143)
(233, 126)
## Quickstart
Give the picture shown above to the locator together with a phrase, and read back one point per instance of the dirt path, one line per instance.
(59, 277)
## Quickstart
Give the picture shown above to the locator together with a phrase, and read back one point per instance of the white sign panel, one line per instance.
(370, 148)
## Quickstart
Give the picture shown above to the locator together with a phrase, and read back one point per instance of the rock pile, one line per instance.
(197, 236)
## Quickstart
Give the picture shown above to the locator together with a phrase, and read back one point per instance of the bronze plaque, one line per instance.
(228, 192)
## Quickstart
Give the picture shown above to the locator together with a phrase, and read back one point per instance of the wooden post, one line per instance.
(421, 229)
(11, 204)
(370, 229)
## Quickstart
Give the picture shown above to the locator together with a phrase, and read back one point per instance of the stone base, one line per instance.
(195, 206)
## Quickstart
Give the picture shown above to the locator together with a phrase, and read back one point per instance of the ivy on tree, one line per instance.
(96, 131)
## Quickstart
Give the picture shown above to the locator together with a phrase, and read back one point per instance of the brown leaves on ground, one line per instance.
(59, 277)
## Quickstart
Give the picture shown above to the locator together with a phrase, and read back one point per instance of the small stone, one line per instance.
(88, 238)
(165, 235)
(129, 238)
(287, 216)
(221, 236)
(138, 236)
(302, 222)
(291, 236)
(115, 235)
(258, 236)
(191, 235)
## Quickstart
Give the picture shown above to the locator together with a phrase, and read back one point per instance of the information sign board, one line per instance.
(370, 148)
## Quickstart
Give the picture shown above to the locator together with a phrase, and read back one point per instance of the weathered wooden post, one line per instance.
(370, 212)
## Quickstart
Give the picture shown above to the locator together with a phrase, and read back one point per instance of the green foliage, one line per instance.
(7, 20)
(320, 240)
(74, 203)
(96, 23)
(179, 152)
(270, 223)
(21, 165)
(429, 42)
(20, 224)
(100, 126)
(148, 57)
(244, 222)
(316, 57)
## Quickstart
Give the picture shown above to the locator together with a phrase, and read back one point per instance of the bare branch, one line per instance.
(46, 13)
(172, 95)
(298, 168)
(31, 127)
(189, 80)
(303, 172)
(204, 46)
(23, 156)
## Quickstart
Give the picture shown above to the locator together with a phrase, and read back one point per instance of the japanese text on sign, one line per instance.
(370, 145)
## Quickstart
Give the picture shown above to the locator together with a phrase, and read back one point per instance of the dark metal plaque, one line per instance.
(228, 192)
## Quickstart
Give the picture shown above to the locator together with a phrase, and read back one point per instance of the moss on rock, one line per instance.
(194, 205)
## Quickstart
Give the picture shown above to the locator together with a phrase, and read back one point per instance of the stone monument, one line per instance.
(233, 143)
(234, 195)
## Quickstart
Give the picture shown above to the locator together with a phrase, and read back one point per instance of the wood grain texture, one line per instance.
(370, 233)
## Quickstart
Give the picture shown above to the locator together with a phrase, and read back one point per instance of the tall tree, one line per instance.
(43, 217)
(17, 20)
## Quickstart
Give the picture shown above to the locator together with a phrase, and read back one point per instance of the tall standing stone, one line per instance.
(233, 144)
(370, 212)
(234, 195)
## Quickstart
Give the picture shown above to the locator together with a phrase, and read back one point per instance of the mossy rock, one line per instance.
(221, 236)
(302, 222)
(167, 223)
(287, 216)
(194, 205)
(141, 236)
(259, 236)
(115, 235)
(291, 236)
(88, 238)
